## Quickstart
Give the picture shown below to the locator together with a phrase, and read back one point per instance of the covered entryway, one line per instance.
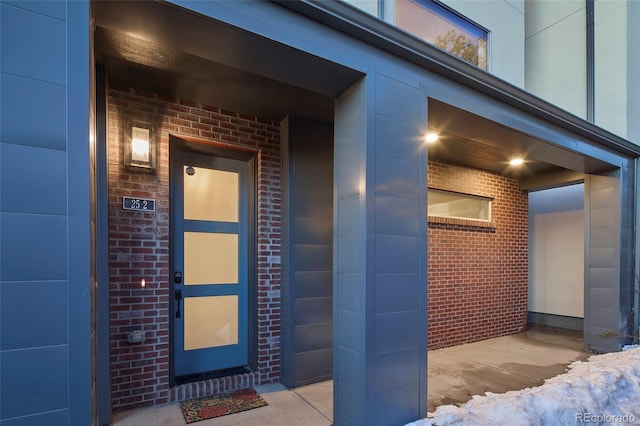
(551, 292)
(215, 307)
(228, 74)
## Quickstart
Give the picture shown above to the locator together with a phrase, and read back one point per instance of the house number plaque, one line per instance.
(139, 204)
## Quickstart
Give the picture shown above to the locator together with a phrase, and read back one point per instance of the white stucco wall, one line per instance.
(505, 21)
(556, 251)
(369, 6)
(611, 49)
(633, 71)
(555, 52)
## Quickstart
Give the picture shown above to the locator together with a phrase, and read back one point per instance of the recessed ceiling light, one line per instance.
(516, 162)
(431, 137)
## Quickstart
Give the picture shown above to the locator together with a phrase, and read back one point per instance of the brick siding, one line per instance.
(477, 272)
(139, 245)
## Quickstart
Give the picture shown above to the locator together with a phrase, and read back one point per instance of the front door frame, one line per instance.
(183, 144)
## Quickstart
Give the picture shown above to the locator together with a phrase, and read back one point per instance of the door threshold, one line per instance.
(190, 378)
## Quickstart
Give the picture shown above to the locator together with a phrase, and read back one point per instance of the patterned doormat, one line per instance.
(222, 404)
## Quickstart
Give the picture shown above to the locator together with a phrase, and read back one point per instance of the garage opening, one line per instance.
(520, 259)
(556, 257)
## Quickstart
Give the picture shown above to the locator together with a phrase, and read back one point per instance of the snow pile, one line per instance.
(603, 390)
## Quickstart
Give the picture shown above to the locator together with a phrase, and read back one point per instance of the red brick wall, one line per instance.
(477, 274)
(139, 245)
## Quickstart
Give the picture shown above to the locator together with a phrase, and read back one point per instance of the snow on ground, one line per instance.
(605, 389)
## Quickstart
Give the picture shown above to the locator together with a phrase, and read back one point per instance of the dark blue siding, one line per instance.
(307, 348)
(34, 381)
(27, 321)
(45, 252)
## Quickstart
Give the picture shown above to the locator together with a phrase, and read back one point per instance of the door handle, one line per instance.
(178, 296)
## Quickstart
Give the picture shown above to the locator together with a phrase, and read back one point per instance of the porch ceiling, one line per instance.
(474, 141)
(158, 47)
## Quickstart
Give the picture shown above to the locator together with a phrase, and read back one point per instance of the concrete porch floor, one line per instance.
(455, 375)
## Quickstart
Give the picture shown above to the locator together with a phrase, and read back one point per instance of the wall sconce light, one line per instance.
(140, 148)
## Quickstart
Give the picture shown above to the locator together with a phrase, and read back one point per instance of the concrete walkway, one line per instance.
(455, 374)
(308, 405)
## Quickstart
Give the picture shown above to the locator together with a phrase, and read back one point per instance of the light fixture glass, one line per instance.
(431, 137)
(516, 162)
(140, 145)
(140, 149)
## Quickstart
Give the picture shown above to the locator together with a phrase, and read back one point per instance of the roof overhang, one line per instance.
(160, 47)
(360, 25)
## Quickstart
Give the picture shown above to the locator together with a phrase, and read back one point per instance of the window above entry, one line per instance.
(435, 23)
(456, 205)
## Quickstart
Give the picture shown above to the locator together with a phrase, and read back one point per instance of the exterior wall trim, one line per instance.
(102, 251)
(79, 256)
(371, 30)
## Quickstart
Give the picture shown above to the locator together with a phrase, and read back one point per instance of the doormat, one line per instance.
(221, 404)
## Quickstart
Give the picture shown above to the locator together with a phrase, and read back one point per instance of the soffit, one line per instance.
(470, 140)
(161, 48)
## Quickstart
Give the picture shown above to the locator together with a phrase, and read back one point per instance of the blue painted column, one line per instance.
(80, 167)
(609, 279)
(45, 250)
(380, 284)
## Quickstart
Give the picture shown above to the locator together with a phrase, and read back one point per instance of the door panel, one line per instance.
(210, 258)
(210, 195)
(210, 321)
(210, 201)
